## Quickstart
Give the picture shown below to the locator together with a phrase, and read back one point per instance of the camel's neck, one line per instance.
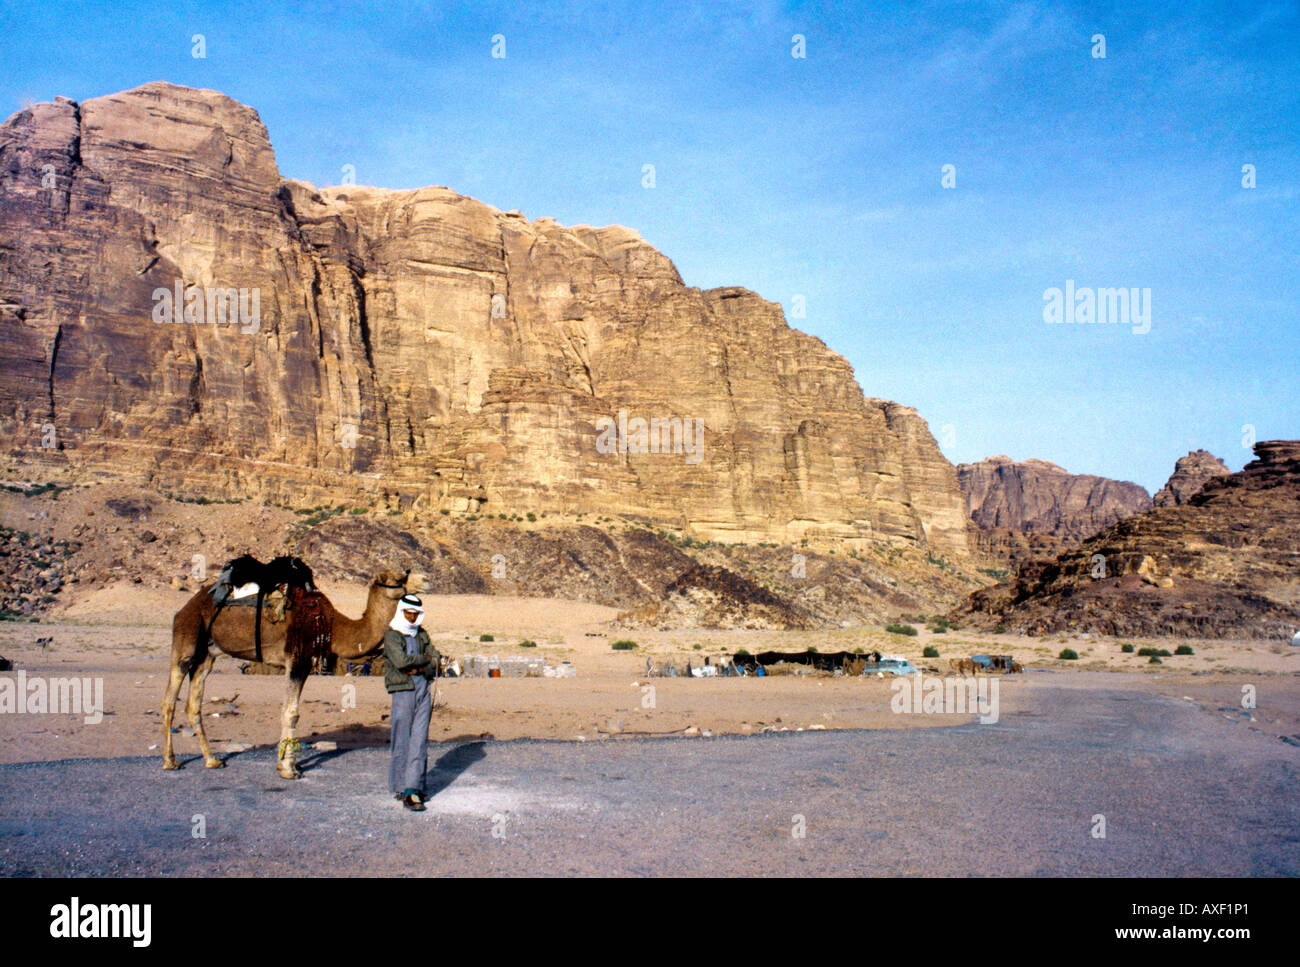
(360, 637)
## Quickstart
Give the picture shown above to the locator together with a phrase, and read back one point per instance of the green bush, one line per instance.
(742, 653)
(930, 652)
(1155, 661)
(1126, 648)
(486, 638)
(1184, 650)
(623, 645)
(532, 518)
(1068, 654)
(528, 643)
(1153, 652)
(899, 629)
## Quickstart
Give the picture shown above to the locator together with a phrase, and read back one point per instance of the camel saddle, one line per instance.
(310, 631)
(247, 581)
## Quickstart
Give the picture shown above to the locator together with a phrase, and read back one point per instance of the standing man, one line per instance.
(410, 664)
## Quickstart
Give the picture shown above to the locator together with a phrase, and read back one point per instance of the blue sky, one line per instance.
(821, 176)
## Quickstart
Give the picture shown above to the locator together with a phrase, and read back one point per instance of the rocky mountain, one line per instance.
(1191, 473)
(1226, 563)
(177, 315)
(1036, 496)
(63, 546)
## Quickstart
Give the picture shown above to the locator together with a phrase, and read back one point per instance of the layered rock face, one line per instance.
(1040, 497)
(1223, 564)
(416, 348)
(1191, 473)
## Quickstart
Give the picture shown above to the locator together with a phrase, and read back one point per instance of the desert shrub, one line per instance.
(1068, 654)
(623, 645)
(1126, 648)
(532, 518)
(1155, 661)
(930, 652)
(1184, 650)
(1001, 630)
(742, 653)
(899, 629)
(697, 647)
(528, 643)
(486, 638)
(1154, 652)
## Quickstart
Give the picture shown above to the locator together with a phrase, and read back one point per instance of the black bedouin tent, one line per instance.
(821, 660)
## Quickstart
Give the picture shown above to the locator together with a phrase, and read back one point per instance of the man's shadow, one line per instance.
(450, 765)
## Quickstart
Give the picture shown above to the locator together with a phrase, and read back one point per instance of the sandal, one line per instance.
(412, 802)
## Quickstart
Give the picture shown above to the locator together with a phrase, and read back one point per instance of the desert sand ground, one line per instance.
(122, 634)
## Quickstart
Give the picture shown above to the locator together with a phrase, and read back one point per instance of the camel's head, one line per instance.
(390, 584)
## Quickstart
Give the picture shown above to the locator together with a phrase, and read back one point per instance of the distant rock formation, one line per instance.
(1035, 496)
(179, 316)
(1191, 473)
(1221, 565)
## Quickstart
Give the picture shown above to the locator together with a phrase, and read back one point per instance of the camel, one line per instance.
(962, 666)
(198, 626)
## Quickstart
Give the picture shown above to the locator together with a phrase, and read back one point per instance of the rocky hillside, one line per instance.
(1035, 496)
(62, 547)
(1226, 563)
(180, 317)
(1191, 473)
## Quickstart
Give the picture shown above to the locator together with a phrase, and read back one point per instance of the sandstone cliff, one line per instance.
(1040, 497)
(416, 350)
(1223, 564)
(1191, 473)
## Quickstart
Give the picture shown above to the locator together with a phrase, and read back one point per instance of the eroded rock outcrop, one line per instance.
(1223, 564)
(1039, 497)
(417, 349)
(1191, 473)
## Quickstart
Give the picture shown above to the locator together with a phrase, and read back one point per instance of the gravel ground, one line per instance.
(1183, 792)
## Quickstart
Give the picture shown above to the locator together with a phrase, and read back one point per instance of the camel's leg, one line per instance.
(168, 710)
(287, 751)
(194, 706)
